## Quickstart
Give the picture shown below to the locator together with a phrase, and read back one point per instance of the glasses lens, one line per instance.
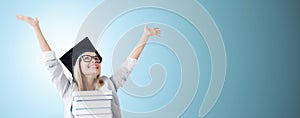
(97, 60)
(86, 58)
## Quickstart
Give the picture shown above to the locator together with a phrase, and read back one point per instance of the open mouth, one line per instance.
(93, 67)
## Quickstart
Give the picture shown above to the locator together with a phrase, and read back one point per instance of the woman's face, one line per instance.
(90, 65)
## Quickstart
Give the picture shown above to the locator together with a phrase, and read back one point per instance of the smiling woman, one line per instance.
(90, 68)
(84, 62)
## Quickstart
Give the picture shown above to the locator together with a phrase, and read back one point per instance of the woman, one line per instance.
(84, 62)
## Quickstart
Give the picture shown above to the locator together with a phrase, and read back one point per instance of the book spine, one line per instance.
(94, 116)
(78, 98)
(91, 104)
(91, 111)
(91, 93)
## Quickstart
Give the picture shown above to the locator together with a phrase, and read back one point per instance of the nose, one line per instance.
(93, 60)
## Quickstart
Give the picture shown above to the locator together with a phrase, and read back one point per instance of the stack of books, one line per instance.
(92, 104)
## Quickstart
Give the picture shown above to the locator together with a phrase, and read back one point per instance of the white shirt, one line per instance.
(65, 86)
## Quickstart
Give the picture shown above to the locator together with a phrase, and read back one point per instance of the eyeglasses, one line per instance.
(88, 58)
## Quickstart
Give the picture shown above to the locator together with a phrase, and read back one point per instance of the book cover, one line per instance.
(92, 93)
(95, 97)
(92, 104)
(91, 111)
(94, 116)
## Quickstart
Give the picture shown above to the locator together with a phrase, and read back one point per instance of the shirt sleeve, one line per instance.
(120, 76)
(55, 70)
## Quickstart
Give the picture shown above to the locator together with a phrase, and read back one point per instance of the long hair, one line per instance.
(78, 76)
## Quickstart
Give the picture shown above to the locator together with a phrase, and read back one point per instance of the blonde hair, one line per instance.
(98, 82)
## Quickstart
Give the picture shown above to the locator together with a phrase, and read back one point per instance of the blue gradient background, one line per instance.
(260, 37)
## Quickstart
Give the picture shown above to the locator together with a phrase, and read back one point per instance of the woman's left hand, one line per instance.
(151, 31)
(136, 52)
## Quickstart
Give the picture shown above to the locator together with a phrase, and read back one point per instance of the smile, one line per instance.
(93, 67)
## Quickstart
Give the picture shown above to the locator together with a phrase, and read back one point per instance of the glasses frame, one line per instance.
(92, 57)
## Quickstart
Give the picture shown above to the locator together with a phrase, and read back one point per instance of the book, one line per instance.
(94, 116)
(92, 93)
(92, 104)
(95, 97)
(92, 111)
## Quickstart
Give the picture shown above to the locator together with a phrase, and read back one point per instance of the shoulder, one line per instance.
(107, 82)
(104, 78)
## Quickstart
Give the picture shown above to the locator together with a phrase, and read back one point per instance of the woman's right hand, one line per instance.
(33, 22)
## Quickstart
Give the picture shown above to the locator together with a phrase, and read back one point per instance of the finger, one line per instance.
(36, 19)
(157, 31)
(27, 19)
(20, 17)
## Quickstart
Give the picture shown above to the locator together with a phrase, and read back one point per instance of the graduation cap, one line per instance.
(70, 57)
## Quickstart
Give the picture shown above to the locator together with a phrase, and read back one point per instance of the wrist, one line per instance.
(36, 27)
(146, 34)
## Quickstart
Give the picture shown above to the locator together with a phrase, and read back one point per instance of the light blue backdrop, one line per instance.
(260, 37)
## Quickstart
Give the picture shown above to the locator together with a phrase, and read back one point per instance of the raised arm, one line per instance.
(136, 52)
(35, 24)
(121, 74)
(57, 75)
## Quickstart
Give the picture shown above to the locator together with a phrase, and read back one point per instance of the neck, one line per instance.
(89, 83)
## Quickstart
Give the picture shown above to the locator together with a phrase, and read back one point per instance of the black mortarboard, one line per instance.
(70, 57)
